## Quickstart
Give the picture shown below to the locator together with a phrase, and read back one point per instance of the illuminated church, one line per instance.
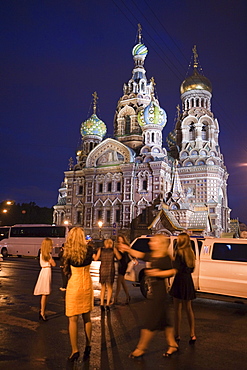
(131, 182)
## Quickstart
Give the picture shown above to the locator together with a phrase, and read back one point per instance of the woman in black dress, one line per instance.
(122, 267)
(183, 290)
(157, 315)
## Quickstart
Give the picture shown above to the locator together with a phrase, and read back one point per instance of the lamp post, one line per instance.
(100, 224)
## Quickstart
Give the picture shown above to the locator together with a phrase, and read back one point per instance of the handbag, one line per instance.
(130, 272)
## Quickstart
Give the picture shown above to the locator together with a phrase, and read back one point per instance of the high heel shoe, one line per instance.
(168, 354)
(134, 357)
(74, 357)
(192, 339)
(42, 317)
(177, 339)
(87, 352)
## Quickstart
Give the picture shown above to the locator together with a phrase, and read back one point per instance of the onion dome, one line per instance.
(93, 126)
(153, 114)
(196, 82)
(140, 50)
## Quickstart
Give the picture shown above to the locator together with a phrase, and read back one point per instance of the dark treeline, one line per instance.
(25, 213)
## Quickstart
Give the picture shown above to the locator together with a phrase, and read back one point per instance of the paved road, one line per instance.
(26, 343)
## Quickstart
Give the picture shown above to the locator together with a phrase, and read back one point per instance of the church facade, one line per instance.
(131, 183)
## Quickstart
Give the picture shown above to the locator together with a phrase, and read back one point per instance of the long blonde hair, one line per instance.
(185, 250)
(75, 247)
(46, 247)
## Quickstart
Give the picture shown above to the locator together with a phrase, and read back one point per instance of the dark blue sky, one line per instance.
(56, 53)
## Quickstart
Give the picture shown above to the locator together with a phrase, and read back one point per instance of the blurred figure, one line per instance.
(43, 285)
(64, 276)
(157, 315)
(107, 271)
(122, 267)
(183, 290)
(78, 256)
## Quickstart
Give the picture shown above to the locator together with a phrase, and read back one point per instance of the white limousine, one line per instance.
(221, 265)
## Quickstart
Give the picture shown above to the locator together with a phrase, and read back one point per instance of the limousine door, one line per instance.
(223, 268)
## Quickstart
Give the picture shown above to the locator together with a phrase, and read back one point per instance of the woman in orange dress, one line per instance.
(79, 297)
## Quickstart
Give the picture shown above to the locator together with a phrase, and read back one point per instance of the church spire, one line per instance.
(195, 56)
(139, 33)
(95, 98)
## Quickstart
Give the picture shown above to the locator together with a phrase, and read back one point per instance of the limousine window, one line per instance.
(141, 245)
(230, 252)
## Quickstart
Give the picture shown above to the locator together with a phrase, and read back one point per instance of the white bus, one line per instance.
(25, 240)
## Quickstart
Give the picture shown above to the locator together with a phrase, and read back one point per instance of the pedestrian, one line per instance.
(43, 284)
(183, 290)
(157, 316)
(78, 256)
(64, 276)
(107, 255)
(122, 267)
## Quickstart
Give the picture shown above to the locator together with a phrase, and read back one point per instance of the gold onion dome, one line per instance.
(196, 82)
(93, 126)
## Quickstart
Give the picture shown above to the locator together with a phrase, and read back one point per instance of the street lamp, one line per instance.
(100, 224)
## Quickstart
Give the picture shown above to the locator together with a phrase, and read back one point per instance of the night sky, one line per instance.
(56, 53)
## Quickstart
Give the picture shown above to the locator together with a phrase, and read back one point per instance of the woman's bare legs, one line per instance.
(190, 317)
(73, 333)
(177, 316)
(109, 294)
(145, 338)
(121, 282)
(87, 327)
(172, 344)
(43, 301)
(102, 294)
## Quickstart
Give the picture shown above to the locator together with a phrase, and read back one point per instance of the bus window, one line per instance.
(4, 233)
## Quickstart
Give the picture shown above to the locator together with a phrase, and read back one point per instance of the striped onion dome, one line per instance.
(153, 114)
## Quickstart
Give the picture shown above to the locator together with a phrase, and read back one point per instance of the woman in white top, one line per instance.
(43, 285)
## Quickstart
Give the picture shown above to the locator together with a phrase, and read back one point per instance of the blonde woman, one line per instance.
(157, 316)
(107, 271)
(43, 285)
(78, 256)
(183, 290)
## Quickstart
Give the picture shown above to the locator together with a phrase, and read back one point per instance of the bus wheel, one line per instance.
(4, 252)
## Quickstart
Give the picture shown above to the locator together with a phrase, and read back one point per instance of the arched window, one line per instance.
(127, 124)
(143, 216)
(62, 217)
(192, 131)
(80, 190)
(204, 132)
(145, 185)
(79, 217)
